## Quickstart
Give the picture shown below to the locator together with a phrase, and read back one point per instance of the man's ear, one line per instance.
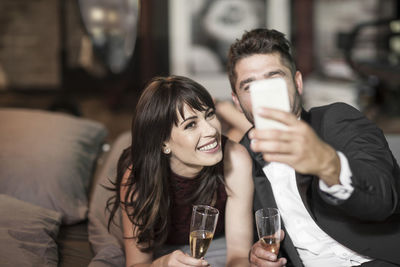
(236, 101)
(298, 79)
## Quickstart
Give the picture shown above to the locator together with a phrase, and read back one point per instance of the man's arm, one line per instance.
(375, 195)
(298, 146)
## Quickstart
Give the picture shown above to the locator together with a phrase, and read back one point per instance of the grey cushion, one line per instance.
(47, 159)
(107, 246)
(394, 145)
(27, 234)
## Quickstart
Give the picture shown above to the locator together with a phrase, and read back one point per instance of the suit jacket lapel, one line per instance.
(304, 182)
(264, 198)
(304, 186)
(261, 184)
(264, 192)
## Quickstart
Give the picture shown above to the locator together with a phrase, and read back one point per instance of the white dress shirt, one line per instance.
(314, 246)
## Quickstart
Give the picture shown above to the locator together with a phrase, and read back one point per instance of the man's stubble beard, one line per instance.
(297, 104)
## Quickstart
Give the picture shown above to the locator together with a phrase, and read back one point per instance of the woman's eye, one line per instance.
(190, 125)
(210, 114)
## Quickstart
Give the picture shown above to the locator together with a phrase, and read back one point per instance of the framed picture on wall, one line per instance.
(201, 32)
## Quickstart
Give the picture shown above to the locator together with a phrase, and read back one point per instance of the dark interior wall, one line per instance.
(150, 56)
(41, 41)
(152, 48)
(29, 43)
(302, 34)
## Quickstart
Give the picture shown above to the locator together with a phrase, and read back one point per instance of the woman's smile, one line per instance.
(210, 147)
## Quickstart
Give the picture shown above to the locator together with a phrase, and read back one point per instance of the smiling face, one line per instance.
(195, 141)
(264, 66)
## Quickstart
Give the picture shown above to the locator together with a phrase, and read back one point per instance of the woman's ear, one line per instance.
(165, 148)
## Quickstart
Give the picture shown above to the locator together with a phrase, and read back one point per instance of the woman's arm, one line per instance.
(133, 255)
(239, 212)
(136, 258)
(238, 123)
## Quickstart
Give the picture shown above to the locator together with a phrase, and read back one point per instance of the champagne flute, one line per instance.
(268, 221)
(202, 227)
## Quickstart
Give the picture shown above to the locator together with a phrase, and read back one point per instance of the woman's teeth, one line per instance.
(208, 147)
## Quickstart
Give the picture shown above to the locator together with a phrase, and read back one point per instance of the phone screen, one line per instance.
(270, 93)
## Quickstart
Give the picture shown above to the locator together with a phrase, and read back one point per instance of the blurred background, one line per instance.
(91, 58)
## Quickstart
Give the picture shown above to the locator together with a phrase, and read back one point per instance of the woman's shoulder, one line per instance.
(237, 169)
(236, 155)
(125, 181)
(235, 148)
(127, 172)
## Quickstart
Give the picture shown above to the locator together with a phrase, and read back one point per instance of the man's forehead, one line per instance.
(272, 62)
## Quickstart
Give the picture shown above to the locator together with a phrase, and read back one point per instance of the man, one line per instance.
(331, 173)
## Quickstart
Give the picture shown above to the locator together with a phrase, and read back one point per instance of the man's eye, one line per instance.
(246, 88)
(190, 125)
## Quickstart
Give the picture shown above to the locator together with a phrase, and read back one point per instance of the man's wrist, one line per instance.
(330, 168)
(342, 191)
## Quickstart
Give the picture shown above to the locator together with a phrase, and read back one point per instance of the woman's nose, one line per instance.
(209, 128)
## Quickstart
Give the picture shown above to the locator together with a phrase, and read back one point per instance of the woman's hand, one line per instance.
(178, 259)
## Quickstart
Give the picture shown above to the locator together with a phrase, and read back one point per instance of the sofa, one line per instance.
(54, 173)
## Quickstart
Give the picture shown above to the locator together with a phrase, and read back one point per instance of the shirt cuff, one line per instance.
(343, 190)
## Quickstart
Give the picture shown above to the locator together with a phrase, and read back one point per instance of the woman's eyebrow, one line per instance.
(189, 118)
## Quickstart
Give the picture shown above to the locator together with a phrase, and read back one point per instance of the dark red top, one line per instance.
(180, 211)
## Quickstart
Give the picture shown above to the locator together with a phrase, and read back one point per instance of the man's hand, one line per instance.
(298, 146)
(260, 257)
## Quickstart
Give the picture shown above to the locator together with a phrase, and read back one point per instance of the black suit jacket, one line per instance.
(369, 221)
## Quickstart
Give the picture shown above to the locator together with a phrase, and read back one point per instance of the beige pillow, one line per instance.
(48, 158)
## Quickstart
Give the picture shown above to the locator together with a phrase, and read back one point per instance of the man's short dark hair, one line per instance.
(259, 41)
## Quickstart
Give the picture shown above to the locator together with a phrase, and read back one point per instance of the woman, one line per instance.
(178, 158)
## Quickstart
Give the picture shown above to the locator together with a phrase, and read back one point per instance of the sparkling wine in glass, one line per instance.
(202, 227)
(268, 221)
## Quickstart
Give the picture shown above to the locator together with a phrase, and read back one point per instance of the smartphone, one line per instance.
(270, 93)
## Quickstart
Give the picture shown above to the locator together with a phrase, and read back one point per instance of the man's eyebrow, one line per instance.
(266, 75)
(189, 118)
(273, 72)
(244, 82)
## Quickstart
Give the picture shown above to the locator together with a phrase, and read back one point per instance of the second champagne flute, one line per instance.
(268, 221)
(202, 227)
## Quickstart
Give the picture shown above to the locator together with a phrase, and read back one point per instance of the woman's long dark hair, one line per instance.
(147, 200)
